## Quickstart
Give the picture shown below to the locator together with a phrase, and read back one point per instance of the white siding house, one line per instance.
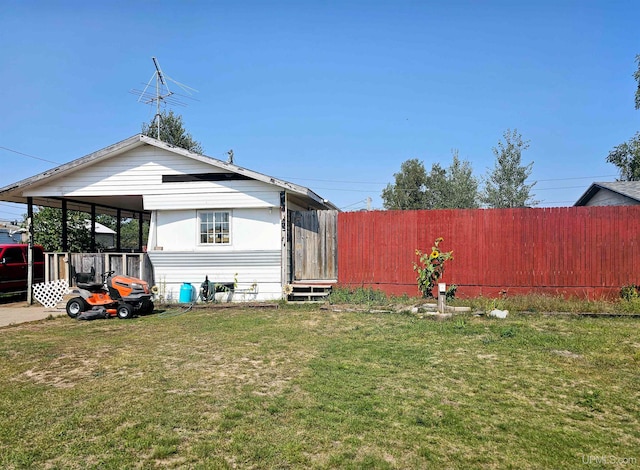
(207, 217)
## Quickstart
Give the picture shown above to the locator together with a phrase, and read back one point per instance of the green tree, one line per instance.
(48, 233)
(462, 186)
(636, 75)
(128, 230)
(454, 187)
(129, 233)
(505, 185)
(408, 191)
(435, 193)
(626, 156)
(172, 131)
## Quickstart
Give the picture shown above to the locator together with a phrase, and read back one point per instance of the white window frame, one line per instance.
(213, 224)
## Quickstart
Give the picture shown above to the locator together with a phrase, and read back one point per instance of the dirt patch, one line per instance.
(566, 353)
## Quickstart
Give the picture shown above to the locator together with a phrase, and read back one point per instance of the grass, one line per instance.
(535, 303)
(310, 388)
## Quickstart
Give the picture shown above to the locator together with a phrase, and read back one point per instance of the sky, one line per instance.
(332, 95)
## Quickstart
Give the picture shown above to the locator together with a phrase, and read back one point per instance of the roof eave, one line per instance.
(65, 168)
(588, 194)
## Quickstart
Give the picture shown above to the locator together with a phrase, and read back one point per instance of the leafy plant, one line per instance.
(431, 267)
(359, 295)
(451, 292)
(630, 292)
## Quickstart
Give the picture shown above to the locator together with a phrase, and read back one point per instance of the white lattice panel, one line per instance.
(51, 293)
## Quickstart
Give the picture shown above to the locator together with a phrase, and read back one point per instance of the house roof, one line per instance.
(14, 192)
(630, 189)
(100, 228)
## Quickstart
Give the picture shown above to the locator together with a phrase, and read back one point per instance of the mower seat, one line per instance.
(84, 278)
(91, 286)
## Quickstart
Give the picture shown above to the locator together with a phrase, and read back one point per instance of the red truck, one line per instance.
(13, 267)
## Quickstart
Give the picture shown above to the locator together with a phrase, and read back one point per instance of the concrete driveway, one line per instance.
(19, 312)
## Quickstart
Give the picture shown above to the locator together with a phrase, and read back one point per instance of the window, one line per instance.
(14, 255)
(215, 228)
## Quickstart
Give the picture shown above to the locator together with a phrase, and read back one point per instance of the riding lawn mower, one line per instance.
(120, 296)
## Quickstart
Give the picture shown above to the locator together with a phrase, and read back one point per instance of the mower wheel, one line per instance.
(146, 307)
(76, 306)
(124, 311)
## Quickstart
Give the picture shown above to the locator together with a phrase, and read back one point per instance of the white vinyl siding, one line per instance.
(215, 197)
(251, 229)
(261, 268)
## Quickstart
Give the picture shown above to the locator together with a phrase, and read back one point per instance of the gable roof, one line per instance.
(629, 189)
(13, 192)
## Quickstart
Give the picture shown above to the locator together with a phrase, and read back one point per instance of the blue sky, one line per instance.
(333, 95)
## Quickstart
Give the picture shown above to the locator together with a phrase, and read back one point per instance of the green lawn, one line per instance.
(311, 388)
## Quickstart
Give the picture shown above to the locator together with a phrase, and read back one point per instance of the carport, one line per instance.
(51, 188)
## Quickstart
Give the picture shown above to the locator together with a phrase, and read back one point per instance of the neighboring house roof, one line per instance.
(617, 193)
(10, 233)
(13, 192)
(99, 228)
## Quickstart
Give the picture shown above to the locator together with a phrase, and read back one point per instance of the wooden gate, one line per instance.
(315, 248)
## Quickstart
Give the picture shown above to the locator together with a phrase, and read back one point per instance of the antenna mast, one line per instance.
(159, 81)
(163, 94)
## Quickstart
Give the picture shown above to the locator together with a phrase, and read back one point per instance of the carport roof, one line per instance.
(129, 205)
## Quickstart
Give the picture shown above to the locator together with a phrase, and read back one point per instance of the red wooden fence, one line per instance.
(571, 251)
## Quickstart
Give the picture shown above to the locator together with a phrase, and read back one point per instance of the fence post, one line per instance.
(442, 296)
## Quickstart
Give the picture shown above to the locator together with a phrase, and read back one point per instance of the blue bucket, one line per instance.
(186, 293)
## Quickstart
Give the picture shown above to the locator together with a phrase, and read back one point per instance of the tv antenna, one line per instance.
(163, 94)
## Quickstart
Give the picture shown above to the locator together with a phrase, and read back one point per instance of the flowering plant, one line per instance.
(431, 267)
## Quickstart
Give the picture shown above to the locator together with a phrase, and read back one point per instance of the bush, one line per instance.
(630, 292)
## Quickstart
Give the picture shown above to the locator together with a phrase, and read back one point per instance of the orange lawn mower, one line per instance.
(120, 296)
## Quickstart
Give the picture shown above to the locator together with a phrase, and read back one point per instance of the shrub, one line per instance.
(630, 292)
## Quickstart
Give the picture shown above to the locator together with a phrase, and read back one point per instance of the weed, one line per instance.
(508, 332)
(590, 400)
(360, 295)
(630, 292)
(459, 324)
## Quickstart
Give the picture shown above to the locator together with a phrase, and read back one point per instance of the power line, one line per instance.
(295, 178)
(578, 178)
(30, 156)
(354, 204)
